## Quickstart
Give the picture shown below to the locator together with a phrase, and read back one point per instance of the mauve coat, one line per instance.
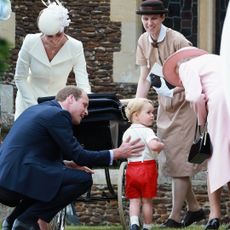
(203, 81)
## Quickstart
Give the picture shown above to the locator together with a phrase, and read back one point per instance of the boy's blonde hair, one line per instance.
(135, 105)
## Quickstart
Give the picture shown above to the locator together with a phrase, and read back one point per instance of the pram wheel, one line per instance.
(123, 203)
(58, 222)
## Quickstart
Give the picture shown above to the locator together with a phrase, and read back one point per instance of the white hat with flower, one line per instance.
(53, 19)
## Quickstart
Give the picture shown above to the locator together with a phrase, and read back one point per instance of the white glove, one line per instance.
(159, 84)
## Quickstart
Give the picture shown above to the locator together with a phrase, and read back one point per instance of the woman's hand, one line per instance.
(178, 90)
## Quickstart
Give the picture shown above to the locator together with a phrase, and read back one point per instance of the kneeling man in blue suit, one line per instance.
(33, 171)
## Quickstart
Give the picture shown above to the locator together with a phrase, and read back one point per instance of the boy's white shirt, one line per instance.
(146, 134)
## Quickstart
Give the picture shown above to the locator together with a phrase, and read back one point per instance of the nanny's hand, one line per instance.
(129, 149)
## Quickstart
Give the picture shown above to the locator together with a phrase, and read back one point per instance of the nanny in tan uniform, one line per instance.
(175, 119)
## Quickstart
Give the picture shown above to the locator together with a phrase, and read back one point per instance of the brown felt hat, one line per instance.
(152, 7)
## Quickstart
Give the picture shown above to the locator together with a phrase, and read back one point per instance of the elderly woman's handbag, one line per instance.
(201, 148)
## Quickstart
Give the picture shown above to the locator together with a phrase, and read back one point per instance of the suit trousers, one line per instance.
(75, 183)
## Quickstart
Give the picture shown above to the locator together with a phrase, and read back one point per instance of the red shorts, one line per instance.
(141, 179)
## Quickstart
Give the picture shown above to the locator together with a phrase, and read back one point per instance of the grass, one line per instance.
(195, 227)
(94, 228)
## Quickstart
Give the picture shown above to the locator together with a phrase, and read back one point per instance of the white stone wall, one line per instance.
(7, 29)
(124, 67)
(7, 105)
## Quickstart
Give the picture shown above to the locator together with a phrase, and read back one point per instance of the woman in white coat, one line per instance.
(46, 59)
(201, 74)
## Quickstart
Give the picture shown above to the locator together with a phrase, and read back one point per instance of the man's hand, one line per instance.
(129, 149)
(73, 165)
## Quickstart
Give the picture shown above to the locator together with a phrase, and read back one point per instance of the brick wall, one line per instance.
(101, 37)
(106, 212)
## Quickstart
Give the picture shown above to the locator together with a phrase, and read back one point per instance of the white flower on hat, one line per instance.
(5, 9)
(53, 19)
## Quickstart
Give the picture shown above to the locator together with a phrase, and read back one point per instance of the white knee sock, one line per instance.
(134, 220)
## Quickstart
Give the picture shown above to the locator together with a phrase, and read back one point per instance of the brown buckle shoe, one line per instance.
(170, 223)
(213, 224)
(192, 217)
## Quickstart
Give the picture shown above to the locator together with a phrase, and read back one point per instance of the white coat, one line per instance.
(36, 76)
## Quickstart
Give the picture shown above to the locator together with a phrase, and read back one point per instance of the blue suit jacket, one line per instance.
(31, 156)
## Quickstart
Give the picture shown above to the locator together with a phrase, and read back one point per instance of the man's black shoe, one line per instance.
(18, 225)
(213, 224)
(192, 217)
(6, 225)
(170, 223)
(134, 227)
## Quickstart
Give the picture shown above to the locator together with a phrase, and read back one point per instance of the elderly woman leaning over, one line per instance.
(201, 76)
